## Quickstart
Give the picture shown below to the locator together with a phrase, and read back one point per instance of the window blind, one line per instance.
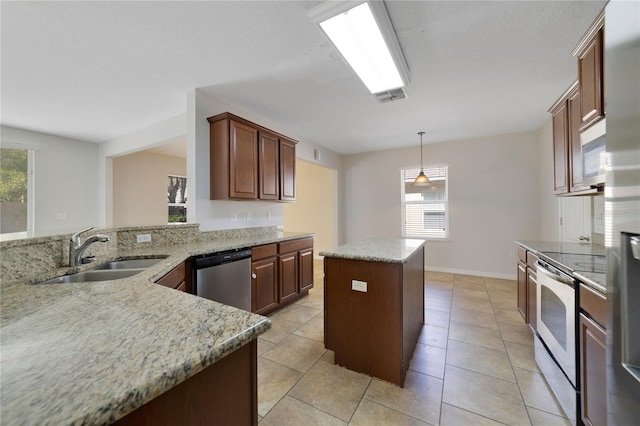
(425, 208)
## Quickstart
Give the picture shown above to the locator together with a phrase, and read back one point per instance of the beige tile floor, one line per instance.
(473, 365)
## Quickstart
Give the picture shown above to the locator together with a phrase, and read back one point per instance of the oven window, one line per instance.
(554, 315)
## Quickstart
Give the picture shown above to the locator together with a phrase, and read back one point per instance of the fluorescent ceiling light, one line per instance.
(365, 38)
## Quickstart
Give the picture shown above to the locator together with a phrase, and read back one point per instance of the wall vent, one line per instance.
(391, 95)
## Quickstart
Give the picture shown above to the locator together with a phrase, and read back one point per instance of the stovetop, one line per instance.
(577, 262)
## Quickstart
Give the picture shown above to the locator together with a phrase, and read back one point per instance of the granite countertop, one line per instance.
(89, 353)
(377, 250)
(597, 281)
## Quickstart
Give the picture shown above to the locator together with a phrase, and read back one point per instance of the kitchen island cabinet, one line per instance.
(374, 305)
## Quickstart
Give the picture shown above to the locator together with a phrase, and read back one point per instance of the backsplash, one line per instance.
(33, 256)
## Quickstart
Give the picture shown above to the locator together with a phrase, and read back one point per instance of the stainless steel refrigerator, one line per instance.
(622, 209)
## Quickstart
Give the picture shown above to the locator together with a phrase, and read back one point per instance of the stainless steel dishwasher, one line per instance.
(225, 277)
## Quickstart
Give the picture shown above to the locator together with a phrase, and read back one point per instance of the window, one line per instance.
(16, 192)
(425, 209)
(177, 198)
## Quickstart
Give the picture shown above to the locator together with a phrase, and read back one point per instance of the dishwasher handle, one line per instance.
(215, 259)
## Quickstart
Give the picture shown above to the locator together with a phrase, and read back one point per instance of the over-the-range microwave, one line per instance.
(594, 150)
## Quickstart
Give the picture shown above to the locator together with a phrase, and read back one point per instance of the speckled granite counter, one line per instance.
(89, 353)
(598, 281)
(377, 250)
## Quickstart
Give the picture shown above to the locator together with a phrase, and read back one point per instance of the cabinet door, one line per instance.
(532, 302)
(287, 170)
(575, 149)
(590, 75)
(560, 151)
(288, 271)
(243, 161)
(264, 285)
(306, 269)
(522, 290)
(268, 166)
(593, 367)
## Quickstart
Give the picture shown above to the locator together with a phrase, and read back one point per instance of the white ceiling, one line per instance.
(97, 70)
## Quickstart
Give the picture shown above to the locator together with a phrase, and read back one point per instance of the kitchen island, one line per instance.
(127, 349)
(374, 305)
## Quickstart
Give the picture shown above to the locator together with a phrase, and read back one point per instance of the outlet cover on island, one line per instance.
(359, 286)
(143, 238)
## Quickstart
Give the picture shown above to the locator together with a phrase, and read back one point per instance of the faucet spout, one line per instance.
(77, 248)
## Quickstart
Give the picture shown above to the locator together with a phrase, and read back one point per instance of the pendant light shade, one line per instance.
(421, 179)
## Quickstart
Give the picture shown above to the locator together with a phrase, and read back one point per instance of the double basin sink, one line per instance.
(113, 270)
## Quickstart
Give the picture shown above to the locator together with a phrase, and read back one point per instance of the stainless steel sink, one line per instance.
(113, 270)
(129, 264)
(94, 275)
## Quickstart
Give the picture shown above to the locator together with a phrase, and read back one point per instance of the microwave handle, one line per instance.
(557, 277)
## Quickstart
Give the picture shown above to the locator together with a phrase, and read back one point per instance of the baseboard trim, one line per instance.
(512, 277)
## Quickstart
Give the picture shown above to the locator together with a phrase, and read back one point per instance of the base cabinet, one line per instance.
(225, 393)
(281, 273)
(527, 286)
(179, 278)
(593, 357)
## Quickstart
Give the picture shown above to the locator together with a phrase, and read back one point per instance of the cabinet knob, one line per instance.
(254, 276)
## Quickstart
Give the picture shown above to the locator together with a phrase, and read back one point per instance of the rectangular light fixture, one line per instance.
(364, 36)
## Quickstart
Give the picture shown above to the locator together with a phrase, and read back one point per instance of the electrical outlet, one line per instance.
(249, 216)
(233, 217)
(61, 215)
(143, 238)
(359, 286)
(268, 216)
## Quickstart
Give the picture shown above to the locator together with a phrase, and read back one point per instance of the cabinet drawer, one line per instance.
(175, 278)
(522, 254)
(594, 304)
(531, 261)
(262, 252)
(295, 245)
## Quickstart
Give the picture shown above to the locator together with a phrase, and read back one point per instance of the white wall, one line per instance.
(493, 199)
(65, 180)
(140, 187)
(214, 215)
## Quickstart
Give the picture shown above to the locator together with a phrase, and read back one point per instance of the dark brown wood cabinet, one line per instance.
(590, 56)
(250, 162)
(269, 160)
(527, 286)
(567, 151)
(225, 393)
(287, 170)
(593, 356)
(374, 331)
(178, 278)
(281, 273)
(264, 274)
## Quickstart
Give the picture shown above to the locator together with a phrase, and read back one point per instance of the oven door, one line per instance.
(556, 311)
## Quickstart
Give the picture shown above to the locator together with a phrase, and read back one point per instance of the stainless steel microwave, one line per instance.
(593, 142)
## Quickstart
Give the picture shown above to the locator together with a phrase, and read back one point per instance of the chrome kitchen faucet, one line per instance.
(76, 248)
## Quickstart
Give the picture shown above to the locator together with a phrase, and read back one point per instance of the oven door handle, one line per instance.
(557, 277)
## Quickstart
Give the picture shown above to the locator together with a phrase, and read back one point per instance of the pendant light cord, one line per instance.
(421, 165)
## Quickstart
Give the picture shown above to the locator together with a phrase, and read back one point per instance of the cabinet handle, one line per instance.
(254, 276)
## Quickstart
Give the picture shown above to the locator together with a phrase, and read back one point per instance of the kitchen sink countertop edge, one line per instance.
(90, 353)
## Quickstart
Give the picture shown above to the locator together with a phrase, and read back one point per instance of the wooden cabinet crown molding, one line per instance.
(230, 116)
(584, 43)
(560, 102)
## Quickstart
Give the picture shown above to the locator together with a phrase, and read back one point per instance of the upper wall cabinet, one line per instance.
(250, 162)
(591, 74)
(567, 152)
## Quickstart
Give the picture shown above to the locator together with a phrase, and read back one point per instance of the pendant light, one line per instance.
(421, 179)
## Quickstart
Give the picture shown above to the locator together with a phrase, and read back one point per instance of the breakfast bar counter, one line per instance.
(97, 352)
(374, 305)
